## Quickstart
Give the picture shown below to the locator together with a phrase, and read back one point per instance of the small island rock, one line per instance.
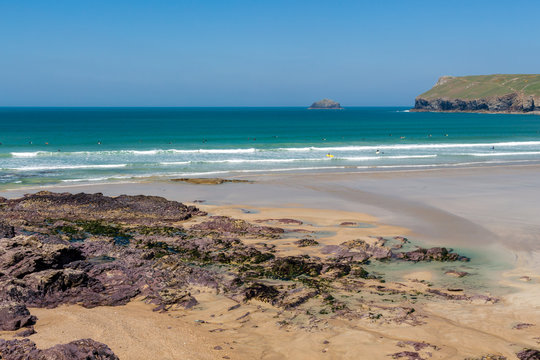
(325, 104)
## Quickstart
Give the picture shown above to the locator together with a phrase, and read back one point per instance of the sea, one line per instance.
(51, 146)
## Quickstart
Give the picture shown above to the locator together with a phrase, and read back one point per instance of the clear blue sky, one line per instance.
(254, 53)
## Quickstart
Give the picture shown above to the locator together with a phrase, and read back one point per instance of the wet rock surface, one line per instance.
(209, 181)
(84, 349)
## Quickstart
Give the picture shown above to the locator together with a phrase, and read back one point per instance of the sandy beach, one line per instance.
(489, 214)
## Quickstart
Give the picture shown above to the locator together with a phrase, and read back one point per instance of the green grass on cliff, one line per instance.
(483, 86)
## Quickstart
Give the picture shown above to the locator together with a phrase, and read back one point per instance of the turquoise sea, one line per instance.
(42, 146)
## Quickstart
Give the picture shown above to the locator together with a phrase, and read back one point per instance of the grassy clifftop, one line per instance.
(484, 86)
(483, 93)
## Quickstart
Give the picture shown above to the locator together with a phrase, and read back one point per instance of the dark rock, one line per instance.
(85, 349)
(226, 224)
(325, 104)
(296, 297)
(408, 355)
(26, 332)
(210, 181)
(416, 345)
(290, 267)
(22, 256)
(306, 242)
(507, 103)
(521, 326)
(48, 205)
(528, 354)
(7, 231)
(14, 316)
(261, 292)
(432, 254)
(336, 269)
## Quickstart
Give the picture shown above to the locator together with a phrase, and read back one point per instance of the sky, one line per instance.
(255, 53)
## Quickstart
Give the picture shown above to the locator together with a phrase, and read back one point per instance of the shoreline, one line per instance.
(265, 173)
(535, 112)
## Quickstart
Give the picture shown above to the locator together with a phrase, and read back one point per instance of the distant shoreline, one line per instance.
(477, 112)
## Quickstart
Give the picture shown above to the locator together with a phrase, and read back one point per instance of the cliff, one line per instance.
(325, 104)
(482, 93)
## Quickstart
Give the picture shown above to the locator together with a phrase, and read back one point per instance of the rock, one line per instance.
(290, 267)
(467, 94)
(7, 231)
(325, 104)
(416, 345)
(178, 297)
(431, 254)
(23, 255)
(336, 269)
(44, 205)
(85, 349)
(261, 292)
(521, 326)
(14, 316)
(26, 332)
(226, 224)
(348, 223)
(528, 354)
(306, 242)
(508, 103)
(282, 221)
(296, 297)
(456, 273)
(407, 355)
(210, 181)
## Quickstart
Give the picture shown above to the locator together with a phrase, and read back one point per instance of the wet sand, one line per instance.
(489, 213)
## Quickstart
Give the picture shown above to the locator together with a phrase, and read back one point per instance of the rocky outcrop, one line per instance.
(508, 103)
(95, 250)
(84, 349)
(325, 104)
(506, 93)
(529, 354)
(210, 181)
(14, 316)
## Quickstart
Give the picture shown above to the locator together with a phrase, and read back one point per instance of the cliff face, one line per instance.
(485, 93)
(507, 103)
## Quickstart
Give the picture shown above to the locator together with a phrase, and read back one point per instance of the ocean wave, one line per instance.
(517, 153)
(67, 167)
(412, 146)
(31, 154)
(382, 157)
(400, 146)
